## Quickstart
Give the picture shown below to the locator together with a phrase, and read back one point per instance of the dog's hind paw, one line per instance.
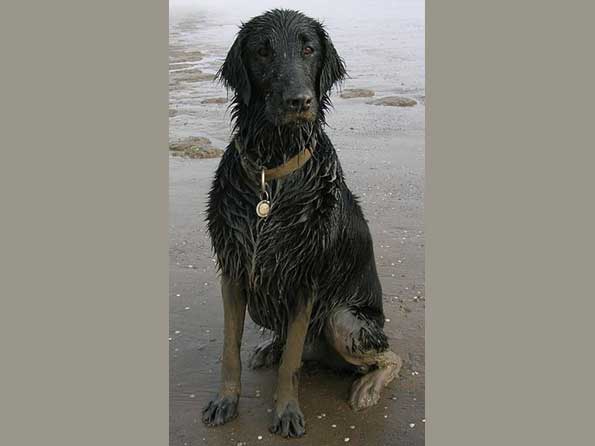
(289, 422)
(365, 392)
(265, 355)
(220, 410)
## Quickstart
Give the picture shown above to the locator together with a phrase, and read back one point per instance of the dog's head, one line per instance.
(283, 65)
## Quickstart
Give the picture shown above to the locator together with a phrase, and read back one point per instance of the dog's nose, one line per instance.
(299, 103)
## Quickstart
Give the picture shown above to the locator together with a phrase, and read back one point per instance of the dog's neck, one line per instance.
(272, 147)
(265, 145)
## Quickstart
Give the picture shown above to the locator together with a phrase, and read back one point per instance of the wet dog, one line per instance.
(291, 240)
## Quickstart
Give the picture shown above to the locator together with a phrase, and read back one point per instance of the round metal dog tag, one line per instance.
(263, 208)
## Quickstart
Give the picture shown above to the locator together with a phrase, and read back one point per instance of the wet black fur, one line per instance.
(315, 243)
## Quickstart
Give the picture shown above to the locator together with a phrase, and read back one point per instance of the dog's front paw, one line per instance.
(220, 410)
(289, 421)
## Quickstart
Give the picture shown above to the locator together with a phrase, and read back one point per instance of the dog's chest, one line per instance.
(266, 252)
(261, 240)
(288, 246)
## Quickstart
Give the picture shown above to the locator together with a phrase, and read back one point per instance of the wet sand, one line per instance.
(381, 149)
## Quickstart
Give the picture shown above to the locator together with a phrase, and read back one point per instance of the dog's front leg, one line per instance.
(225, 406)
(288, 420)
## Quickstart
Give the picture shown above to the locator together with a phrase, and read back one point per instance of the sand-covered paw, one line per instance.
(220, 410)
(365, 392)
(289, 421)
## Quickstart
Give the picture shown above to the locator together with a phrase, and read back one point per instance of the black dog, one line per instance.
(291, 241)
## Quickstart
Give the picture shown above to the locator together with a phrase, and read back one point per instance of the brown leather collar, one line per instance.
(288, 167)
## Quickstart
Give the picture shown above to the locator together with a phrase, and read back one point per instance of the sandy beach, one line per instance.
(380, 143)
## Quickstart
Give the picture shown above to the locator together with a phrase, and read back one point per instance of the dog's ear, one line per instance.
(333, 68)
(233, 72)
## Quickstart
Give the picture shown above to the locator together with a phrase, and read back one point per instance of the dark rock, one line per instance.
(195, 147)
(189, 76)
(394, 101)
(176, 55)
(351, 93)
(214, 101)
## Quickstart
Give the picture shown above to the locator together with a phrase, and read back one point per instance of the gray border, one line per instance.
(509, 215)
(84, 223)
(509, 222)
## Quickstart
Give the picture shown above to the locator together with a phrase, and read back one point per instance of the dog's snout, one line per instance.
(299, 103)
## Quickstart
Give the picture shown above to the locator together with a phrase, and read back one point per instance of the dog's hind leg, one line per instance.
(360, 340)
(288, 419)
(225, 406)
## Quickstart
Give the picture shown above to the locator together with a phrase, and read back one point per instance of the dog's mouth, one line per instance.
(297, 118)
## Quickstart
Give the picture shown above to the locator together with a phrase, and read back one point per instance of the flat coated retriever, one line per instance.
(291, 241)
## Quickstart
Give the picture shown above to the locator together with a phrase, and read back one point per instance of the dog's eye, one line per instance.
(264, 52)
(308, 51)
